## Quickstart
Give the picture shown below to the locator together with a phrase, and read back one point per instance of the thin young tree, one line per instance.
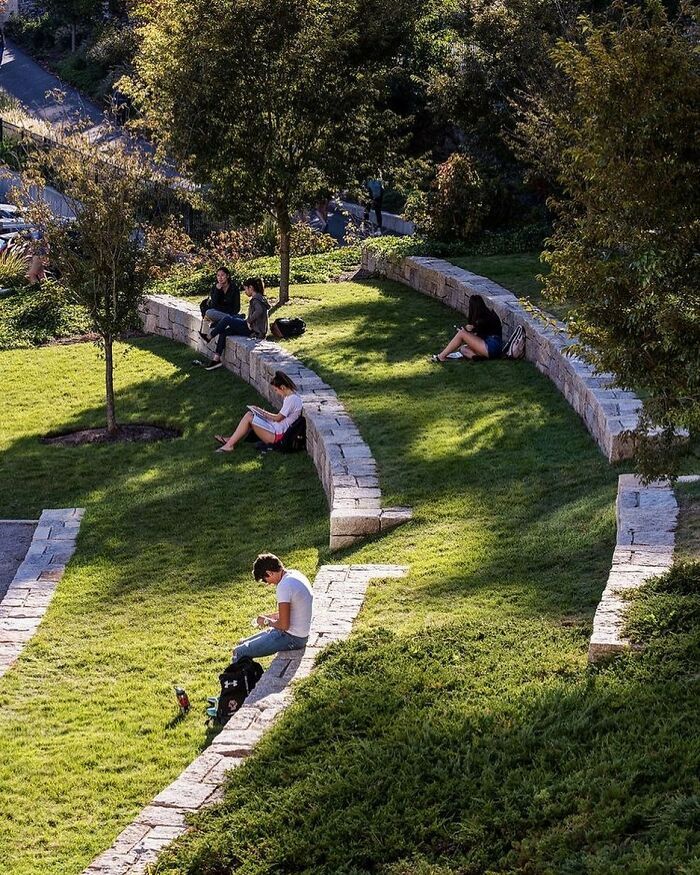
(99, 254)
(269, 102)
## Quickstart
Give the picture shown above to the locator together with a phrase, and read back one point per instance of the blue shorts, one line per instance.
(494, 345)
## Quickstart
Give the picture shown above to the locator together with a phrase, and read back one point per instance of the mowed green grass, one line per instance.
(157, 592)
(460, 729)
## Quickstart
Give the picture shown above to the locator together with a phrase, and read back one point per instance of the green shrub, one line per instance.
(82, 74)
(666, 606)
(14, 264)
(529, 238)
(38, 314)
(36, 32)
(187, 283)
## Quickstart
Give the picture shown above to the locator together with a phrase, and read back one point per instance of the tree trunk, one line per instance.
(285, 228)
(112, 426)
(72, 38)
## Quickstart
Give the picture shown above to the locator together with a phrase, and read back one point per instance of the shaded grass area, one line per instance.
(460, 729)
(157, 592)
(516, 272)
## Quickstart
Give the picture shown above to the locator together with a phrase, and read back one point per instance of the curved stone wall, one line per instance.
(608, 413)
(343, 460)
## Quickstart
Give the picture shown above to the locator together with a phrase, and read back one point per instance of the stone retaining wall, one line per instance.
(390, 221)
(343, 460)
(36, 579)
(608, 413)
(646, 524)
(339, 591)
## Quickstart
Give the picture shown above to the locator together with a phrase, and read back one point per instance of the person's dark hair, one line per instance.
(224, 270)
(477, 309)
(255, 282)
(282, 380)
(263, 564)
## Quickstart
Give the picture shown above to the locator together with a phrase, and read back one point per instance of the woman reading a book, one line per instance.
(269, 427)
(481, 337)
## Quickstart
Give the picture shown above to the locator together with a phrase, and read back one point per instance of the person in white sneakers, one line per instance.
(288, 628)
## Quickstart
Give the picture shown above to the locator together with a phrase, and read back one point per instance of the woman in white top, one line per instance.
(269, 427)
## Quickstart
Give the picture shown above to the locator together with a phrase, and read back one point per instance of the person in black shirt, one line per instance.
(481, 337)
(224, 299)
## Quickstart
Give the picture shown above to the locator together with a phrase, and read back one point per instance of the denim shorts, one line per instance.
(494, 344)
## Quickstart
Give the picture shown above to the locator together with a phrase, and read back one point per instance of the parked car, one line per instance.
(12, 220)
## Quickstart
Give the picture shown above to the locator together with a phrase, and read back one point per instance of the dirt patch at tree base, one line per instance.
(144, 432)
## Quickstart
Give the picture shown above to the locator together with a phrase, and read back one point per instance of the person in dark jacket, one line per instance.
(481, 337)
(224, 299)
(254, 325)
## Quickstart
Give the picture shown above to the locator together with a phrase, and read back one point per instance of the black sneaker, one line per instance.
(214, 366)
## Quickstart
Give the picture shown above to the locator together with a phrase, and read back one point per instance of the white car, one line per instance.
(11, 219)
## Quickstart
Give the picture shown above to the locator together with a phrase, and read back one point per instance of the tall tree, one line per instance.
(74, 13)
(100, 254)
(271, 102)
(623, 134)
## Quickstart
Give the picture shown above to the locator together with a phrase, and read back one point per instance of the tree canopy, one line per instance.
(624, 137)
(272, 102)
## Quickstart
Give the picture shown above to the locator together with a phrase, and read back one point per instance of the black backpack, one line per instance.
(294, 439)
(236, 683)
(293, 327)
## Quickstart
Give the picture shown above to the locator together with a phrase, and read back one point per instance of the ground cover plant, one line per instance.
(39, 314)
(157, 591)
(197, 282)
(460, 729)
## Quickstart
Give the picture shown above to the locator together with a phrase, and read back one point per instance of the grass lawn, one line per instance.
(459, 730)
(156, 593)
(516, 272)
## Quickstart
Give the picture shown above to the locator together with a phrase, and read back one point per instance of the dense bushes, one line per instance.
(529, 238)
(38, 314)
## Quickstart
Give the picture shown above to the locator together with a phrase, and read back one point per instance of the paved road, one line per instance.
(15, 538)
(27, 81)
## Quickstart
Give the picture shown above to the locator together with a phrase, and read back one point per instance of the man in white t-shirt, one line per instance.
(288, 628)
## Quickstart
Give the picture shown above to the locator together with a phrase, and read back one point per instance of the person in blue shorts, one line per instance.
(481, 337)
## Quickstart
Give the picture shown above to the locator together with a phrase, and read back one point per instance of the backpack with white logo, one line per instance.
(515, 347)
(236, 681)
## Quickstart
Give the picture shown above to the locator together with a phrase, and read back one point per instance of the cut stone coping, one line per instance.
(339, 591)
(344, 462)
(32, 588)
(608, 413)
(646, 525)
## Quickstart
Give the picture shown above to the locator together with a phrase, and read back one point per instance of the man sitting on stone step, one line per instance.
(288, 628)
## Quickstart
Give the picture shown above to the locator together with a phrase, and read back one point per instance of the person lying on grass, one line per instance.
(288, 628)
(269, 427)
(254, 325)
(481, 337)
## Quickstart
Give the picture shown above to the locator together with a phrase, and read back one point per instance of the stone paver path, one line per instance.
(646, 524)
(34, 583)
(339, 591)
(15, 538)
